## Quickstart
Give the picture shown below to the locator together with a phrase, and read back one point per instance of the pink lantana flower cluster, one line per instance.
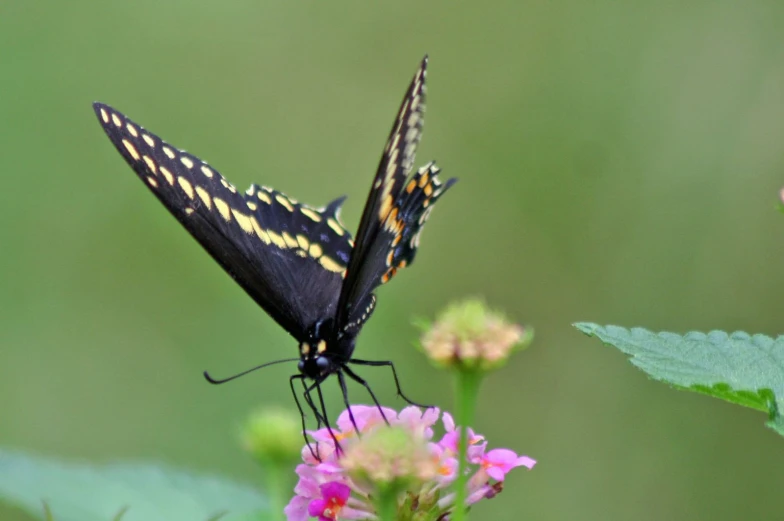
(332, 489)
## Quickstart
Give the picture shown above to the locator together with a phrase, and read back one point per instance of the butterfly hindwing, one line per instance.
(290, 258)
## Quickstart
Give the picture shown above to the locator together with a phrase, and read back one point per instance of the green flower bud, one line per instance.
(273, 436)
(470, 336)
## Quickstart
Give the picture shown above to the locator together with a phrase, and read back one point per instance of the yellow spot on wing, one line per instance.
(277, 240)
(423, 180)
(116, 120)
(228, 186)
(264, 197)
(204, 195)
(132, 130)
(223, 208)
(284, 202)
(315, 251)
(243, 220)
(152, 181)
(169, 152)
(150, 141)
(392, 217)
(410, 187)
(130, 148)
(313, 216)
(428, 190)
(150, 164)
(168, 175)
(336, 226)
(251, 205)
(265, 238)
(189, 211)
(386, 205)
(186, 161)
(303, 242)
(104, 116)
(206, 171)
(331, 264)
(291, 242)
(186, 186)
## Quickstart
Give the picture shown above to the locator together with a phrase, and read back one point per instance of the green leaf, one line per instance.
(740, 368)
(81, 492)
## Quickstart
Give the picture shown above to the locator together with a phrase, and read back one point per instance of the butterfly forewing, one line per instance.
(290, 258)
(393, 171)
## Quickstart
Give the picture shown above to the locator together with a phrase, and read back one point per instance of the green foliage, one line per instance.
(737, 367)
(126, 492)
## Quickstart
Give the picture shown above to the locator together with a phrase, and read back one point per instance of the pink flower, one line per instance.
(366, 416)
(447, 465)
(333, 498)
(498, 462)
(328, 490)
(476, 447)
(418, 420)
(297, 509)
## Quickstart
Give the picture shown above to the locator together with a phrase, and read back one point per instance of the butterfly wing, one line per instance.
(396, 209)
(290, 258)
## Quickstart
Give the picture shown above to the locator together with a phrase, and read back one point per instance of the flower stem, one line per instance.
(467, 391)
(275, 487)
(386, 503)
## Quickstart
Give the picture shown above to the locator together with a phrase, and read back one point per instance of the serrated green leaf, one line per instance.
(82, 492)
(737, 367)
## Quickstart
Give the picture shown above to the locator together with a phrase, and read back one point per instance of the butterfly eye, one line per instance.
(322, 363)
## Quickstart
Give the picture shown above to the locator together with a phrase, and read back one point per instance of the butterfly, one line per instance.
(299, 263)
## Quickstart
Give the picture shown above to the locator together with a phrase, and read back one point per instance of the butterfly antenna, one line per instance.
(216, 381)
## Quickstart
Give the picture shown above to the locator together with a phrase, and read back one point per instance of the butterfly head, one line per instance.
(321, 353)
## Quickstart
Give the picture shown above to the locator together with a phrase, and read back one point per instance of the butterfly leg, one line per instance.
(308, 399)
(382, 363)
(317, 385)
(361, 381)
(301, 377)
(344, 390)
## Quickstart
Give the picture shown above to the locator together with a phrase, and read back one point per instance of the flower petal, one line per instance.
(297, 509)
(335, 491)
(525, 461)
(316, 507)
(449, 422)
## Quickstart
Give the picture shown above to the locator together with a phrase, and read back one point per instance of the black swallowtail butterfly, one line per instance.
(297, 262)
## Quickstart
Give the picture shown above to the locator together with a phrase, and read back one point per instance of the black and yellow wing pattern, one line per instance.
(290, 258)
(297, 262)
(396, 209)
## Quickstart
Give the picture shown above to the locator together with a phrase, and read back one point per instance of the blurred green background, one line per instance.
(618, 163)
